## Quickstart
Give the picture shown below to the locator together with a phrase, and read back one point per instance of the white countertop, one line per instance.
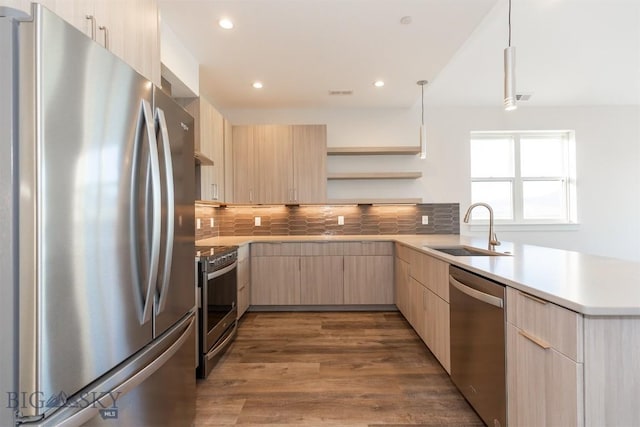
(587, 284)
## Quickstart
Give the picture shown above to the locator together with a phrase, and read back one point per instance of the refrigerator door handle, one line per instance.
(170, 200)
(156, 211)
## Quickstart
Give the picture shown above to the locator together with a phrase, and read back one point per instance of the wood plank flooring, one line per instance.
(352, 369)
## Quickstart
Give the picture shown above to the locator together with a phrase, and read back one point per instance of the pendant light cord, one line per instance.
(509, 23)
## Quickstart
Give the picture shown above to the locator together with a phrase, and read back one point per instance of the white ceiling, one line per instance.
(301, 49)
(569, 52)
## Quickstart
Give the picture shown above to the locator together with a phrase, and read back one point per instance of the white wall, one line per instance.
(607, 151)
(179, 61)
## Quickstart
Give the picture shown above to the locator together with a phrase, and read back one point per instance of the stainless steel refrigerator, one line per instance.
(96, 236)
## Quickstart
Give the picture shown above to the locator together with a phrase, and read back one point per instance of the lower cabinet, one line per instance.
(321, 280)
(545, 369)
(332, 273)
(275, 280)
(401, 289)
(418, 276)
(244, 279)
(544, 387)
(368, 279)
(436, 327)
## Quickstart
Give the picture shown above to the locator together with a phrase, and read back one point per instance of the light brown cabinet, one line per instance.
(368, 272)
(228, 161)
(309, 163)
(328, 273)
(431, 272)
(544, 386)
(243, 164)
(275, 273)
(127, 28)
(368, 279)
(244, 279)
(321, 280)
(545, 373)
(273, 160)
(279, 164)
(275, 280)
(436, 328)
(422, 292)
(209, 140)
(401, 288)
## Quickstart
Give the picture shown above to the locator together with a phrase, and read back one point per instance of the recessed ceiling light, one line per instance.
(257, 85)
(225, 23)
(378, 83)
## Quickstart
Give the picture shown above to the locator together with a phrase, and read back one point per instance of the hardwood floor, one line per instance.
(329, 369)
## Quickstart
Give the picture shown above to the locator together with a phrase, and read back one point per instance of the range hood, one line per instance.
(201, 159)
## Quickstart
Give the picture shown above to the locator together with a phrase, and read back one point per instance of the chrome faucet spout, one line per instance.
(493, 239)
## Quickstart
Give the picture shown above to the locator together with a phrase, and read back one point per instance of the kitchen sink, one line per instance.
(466, 251)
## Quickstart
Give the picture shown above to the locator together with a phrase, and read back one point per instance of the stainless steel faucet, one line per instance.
(493, 239)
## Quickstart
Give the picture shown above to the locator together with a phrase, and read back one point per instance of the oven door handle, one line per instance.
(213, 353)
(473, 293)
(222, 272)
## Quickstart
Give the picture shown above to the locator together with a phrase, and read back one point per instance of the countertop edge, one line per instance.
(587, 310)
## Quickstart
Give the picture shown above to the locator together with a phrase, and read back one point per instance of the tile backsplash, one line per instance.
(444, 218)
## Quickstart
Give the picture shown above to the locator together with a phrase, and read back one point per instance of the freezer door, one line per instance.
(156, 388)
(176, 281)
(89, 211)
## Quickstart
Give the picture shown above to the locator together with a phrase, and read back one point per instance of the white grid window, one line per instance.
(527, 177)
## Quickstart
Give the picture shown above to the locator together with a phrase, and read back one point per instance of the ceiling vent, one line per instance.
(523, 96)
(340, 92)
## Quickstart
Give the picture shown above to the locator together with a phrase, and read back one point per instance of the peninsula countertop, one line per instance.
(588, 284)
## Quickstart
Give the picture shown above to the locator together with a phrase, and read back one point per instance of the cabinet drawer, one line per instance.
(368, 248)
(556, 326)
(322, 249)
(403, 252)
(431, 272)
(275, 249)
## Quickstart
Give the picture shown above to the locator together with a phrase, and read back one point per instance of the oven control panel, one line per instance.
(218, 262)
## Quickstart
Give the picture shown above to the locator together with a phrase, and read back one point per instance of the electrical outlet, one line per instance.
(340, 220)
(211, 223)
(198, 225)
(257, 221)
(425, 219)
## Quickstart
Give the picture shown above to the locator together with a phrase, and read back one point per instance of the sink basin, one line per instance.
(466, 251)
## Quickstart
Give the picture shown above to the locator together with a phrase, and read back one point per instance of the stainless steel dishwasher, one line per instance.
(478, 343)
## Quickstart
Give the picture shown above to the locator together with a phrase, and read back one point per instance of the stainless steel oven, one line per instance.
(217, 305)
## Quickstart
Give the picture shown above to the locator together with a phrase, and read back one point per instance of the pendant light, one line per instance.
(509, 72)
(423, 130)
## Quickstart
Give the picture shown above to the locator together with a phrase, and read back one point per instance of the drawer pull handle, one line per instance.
(535, 340)
(532, 298)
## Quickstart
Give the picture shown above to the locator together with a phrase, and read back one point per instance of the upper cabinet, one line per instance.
(209, 144)
(279, 164)
(128, 28)
(310, 163)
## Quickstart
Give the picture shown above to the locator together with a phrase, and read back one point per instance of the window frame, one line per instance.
(517, 181)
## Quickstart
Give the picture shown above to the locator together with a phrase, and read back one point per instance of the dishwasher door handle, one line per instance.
(473, 293)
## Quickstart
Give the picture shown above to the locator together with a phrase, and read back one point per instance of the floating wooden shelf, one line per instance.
(374, 201)
(371, 151)
(375, 175)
